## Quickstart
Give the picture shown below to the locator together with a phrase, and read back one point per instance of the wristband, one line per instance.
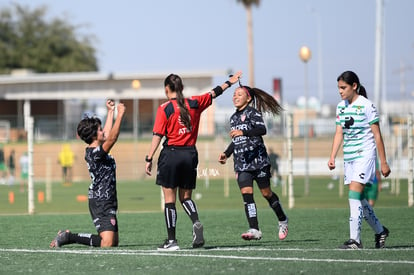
(228, 83)
(148, 159)
(218, 90)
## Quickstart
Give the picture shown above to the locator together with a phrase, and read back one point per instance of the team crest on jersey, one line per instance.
(359, 110)
(243, 117)
(349, 121)
(113, 221)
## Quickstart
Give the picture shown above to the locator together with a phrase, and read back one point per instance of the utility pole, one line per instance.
(378, 52)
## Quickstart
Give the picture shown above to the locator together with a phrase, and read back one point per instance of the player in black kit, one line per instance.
(103, 202)
(251, 161)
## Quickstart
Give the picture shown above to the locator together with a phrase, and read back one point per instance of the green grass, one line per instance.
(317, 225)
(144, 196)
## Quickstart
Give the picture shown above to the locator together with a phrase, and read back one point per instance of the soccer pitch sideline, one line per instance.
(317, 226)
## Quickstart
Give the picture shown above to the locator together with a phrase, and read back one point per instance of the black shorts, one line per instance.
(104, 215)
(262, 178)
(177, 167)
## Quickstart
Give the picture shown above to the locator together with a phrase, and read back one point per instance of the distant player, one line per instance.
(371, 190)
(103, 202)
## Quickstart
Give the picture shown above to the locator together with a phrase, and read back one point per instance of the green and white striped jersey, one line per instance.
(356, 120)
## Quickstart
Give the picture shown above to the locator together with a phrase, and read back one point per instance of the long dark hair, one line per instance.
(176, 85)
(349, 77)
(262, 101)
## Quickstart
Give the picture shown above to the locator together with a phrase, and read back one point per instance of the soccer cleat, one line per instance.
(198, 239)
(62, 238)
(380, 238)
(252, 234)
(283, 229)
(351, 244)
(169, 245)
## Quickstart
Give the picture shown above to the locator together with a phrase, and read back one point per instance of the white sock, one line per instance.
(355, 220)
(370, 217)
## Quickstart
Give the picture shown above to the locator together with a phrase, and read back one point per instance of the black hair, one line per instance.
(88, 129)
(350, 78)
(175, 84)
(263, 102)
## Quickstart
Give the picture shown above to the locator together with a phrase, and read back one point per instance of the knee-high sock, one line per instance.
(250, 210)
(170, 214)
(355, 219)
(274, 203)
(370, 217)
(85, 238)
(191, 209)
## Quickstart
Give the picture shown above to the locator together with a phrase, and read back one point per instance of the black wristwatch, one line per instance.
(148, 159)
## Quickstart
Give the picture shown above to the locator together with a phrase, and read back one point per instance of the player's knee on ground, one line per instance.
(109, 239)
(108, 243)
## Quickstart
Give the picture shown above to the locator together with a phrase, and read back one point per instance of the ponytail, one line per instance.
(361, 91)
(176, 85)
(263, 102)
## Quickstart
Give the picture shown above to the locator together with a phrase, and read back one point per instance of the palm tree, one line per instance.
(248, 5)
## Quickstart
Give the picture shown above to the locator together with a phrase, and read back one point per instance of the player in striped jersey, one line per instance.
(357, 126)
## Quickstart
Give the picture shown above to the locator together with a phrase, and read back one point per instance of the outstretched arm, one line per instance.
(114, 131)
(220, 89)
(110, 105)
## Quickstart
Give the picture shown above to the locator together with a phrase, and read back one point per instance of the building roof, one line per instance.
(24, 85)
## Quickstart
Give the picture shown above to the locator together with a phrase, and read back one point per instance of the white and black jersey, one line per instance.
(249, 151)
(102, 169)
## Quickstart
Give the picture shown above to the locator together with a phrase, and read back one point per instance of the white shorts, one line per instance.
(360, 170)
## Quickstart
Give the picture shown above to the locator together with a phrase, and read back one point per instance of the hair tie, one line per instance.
(249, 91)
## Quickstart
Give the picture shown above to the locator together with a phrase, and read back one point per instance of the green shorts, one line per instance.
(371, 191)
(24, 175)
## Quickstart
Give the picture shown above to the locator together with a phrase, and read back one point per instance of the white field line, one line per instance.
(184, 253)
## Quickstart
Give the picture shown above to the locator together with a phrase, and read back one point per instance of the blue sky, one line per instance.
(193, 35)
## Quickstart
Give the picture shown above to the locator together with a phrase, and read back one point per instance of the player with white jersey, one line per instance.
(357, 126)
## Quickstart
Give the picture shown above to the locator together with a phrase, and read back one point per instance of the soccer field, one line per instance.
(310, 248)
(317, 226)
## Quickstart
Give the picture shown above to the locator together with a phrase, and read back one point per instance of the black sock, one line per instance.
(85, 238)
(250, 210)
(277, 208)
(170, 214)
(191, 209)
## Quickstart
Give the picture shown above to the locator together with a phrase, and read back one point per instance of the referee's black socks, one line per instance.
(170, 213)
(191, 209)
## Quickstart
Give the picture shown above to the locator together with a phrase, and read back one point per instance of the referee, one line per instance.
(178, 121)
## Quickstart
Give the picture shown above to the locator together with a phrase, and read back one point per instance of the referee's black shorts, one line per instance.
(177, 167)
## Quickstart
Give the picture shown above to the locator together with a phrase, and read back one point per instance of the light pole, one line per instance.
(136, 85)
(305, 55)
